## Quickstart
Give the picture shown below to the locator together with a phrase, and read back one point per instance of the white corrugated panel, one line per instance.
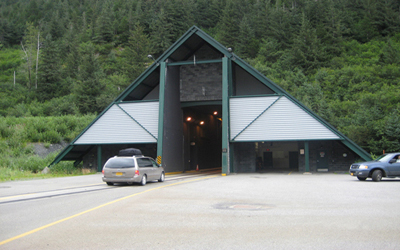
(284, 120)
(116, 126)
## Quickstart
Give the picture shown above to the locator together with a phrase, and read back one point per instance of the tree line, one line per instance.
(339, 57)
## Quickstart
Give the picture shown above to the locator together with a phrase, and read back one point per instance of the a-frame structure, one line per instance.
(200, 105)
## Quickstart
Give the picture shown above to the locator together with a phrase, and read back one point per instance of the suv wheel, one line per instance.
(361, 178)
(110, 183)
(144, 180)
(377, 175)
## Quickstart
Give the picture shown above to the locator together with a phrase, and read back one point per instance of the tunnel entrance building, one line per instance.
(200, 106)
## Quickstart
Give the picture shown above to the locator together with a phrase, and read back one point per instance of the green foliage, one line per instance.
(340, 58)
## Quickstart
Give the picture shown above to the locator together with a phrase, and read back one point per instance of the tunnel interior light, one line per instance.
(189, 119)
(215, 113)
(202, 123)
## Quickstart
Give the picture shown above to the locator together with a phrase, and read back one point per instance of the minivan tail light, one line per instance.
(137, 172)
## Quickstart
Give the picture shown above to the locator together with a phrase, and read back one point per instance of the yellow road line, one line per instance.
(95, 208)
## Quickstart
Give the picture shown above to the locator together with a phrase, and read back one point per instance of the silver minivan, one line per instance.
(132, 169)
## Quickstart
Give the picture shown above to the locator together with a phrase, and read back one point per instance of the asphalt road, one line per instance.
(209, 211)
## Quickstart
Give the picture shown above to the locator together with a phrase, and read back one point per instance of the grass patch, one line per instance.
(17, 157)
(31, 167)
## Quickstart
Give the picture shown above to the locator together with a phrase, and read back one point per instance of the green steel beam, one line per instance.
(99, 165)
(307, 156)
(163, 66)
(194, 62)
(225, 116)
(200, 103)
(359, 151)
(61, 155)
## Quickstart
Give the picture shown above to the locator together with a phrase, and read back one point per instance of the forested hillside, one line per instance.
(339, 57)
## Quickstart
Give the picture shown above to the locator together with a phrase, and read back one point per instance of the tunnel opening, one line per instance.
(202, 146)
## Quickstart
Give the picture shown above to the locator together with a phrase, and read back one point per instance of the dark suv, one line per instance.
(387, 165)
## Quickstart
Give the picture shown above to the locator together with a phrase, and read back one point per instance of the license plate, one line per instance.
(118, 173)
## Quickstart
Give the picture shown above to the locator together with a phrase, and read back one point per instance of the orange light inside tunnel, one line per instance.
(189, 119)
(215, 113)
(202, 123)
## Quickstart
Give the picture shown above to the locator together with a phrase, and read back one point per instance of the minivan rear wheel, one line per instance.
(110, 183)
(144, 180)
(162, 177)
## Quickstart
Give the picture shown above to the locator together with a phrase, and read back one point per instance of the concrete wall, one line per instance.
(172, 159)
(244, 157)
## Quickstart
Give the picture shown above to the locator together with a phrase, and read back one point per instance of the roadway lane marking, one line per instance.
(95, 208)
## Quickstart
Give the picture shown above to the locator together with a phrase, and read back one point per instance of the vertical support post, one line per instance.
(307, 156)
(99, 165)
(225, 116)
(163, 71)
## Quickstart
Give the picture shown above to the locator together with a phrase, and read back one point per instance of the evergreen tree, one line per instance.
(30, 47)
(89, 86)
(162, 39)
(247, 45)
(49, 71)
(228, 26)
(136, 53)
(104, 25)
(307, 52)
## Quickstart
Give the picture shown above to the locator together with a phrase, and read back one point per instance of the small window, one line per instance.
(120, 163)
(144, 162)
(155, 165)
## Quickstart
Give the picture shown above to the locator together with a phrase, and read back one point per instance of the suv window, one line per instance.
(144, 162)
(120, 163)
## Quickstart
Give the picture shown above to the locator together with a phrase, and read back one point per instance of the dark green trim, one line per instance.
(358, 150)
(287, 140)
(163, 71)
(265, 110)
(194, 62)
(61, 155)
(225, 116)
(137, 82)
(206, 103)
(177, 44)
(247, 96)
(138, 101)
(99, 165)
(307, 156)
(213, 42)
(137, 122)
(117, 143)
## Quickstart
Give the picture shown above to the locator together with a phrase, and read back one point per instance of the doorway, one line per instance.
(322, 161)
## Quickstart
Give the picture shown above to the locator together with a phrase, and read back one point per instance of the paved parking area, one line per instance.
(240, 211)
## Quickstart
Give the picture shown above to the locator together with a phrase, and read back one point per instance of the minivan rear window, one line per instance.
(120, 163)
